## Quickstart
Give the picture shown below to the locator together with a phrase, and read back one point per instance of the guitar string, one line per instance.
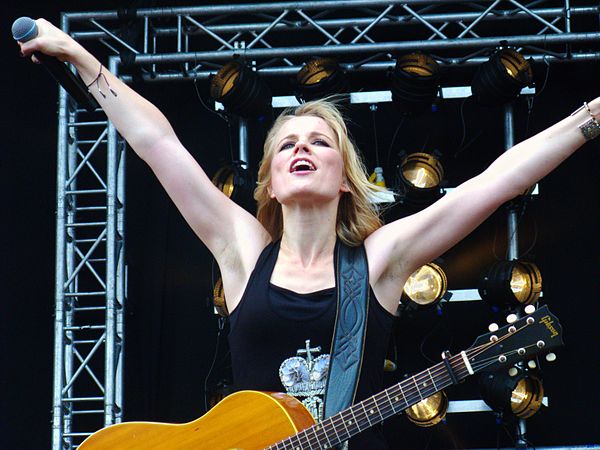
(362, 421)
(386, 412)
(378, 400)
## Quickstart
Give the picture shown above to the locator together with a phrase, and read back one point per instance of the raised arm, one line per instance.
(222, 225)
(400, 247)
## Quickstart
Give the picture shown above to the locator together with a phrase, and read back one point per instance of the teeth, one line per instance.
(303, 162)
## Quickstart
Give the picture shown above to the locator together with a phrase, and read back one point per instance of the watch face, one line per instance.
(590, 129)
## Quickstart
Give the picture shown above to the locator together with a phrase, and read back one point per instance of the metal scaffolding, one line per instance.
(178, 44)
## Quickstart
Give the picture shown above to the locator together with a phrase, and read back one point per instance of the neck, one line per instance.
(309, 233)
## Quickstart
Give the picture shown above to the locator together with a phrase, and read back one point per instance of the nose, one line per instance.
(301, 147)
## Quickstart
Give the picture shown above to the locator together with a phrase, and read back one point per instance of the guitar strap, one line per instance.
(352, 281)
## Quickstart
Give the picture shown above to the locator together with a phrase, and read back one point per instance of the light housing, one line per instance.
(500, 79)
(512, 283)
(425, 287)
(419, 177)
(219, 299)
(235, 181)
(415, 82)
(520, 394)
(319, 78)
(241, 91)
(429, 411)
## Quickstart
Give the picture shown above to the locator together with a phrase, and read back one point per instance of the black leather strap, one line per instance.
(352, 276)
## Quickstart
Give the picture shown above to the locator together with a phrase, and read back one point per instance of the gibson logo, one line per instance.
(546, 320)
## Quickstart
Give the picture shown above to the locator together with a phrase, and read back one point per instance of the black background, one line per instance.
(171, 331)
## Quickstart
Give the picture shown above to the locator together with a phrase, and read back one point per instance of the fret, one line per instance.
(293, 442)
(432, 380)
(305, 433)
(356, 422)
(314, 432)
(402, 394)
(362, 404)
(330, 420)
(374, 408)
(329, 444)
(344, 422)
(417, 386)
(390, 401)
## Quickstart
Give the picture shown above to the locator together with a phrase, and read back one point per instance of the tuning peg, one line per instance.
(513, 371)
(531, 364)
(530, 309)
(511, 318)
(551, 357)
(493, 327)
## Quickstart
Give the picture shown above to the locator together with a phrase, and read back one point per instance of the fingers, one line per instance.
(49, 40)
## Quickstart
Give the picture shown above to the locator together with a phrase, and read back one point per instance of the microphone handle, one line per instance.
(69, 81)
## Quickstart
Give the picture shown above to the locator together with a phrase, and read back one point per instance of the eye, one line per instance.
(320, 142)
(286, 146)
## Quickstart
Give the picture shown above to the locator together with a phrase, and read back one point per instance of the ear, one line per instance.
(344, 187)
(270, 192)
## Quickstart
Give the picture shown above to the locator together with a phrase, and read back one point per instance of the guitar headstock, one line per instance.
(531, 335)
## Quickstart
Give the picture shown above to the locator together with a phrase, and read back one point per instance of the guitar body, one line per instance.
(246, 420)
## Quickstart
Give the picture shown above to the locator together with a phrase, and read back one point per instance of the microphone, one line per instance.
(24, 29)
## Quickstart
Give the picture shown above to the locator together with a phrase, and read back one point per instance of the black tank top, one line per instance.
(271, 323)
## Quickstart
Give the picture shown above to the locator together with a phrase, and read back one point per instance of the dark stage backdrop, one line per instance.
(171, 331)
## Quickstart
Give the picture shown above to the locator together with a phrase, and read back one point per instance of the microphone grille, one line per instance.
(24, 29)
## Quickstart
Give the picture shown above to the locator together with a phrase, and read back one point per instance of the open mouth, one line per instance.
(302, 165)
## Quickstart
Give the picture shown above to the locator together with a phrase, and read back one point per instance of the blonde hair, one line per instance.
(357, 216)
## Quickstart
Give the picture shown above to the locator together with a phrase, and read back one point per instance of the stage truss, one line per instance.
(184, 43)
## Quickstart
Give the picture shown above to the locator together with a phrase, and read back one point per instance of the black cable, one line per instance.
(463, 146)
(464, 126)
(221, 115)
(394, 138)
(373, 109)
(221, 326)
(426, 337)
(531, 99)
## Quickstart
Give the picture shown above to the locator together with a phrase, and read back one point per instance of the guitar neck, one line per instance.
(374, 410)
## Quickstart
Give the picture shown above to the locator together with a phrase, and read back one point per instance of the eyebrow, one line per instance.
(312, 134)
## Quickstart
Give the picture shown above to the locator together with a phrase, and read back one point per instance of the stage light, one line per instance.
(426, 286)
(236, 183)
(518, 392)
(429, 411)
(511, 283)
(501, 78)
(240, 90)
(219, 299)
(415, 82)
(420, 176)
(319, 78)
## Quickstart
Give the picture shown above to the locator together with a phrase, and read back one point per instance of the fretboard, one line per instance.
(373, 410)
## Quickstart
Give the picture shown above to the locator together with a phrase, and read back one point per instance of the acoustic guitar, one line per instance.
(252, 420)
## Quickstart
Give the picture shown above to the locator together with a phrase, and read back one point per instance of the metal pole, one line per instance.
(513, 239)
(243, 144)
(121, 273)
(386, 47)
(111, 246)
(509, 141)
(390, 20)
(61, 214)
